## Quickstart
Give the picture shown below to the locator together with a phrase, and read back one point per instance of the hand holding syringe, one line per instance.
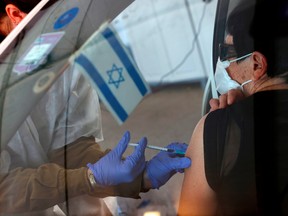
(179, 152)
(170, 160)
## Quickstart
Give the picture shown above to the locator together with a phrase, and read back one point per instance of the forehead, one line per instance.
(229, 39)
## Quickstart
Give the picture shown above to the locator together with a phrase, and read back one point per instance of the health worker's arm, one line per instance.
(197, 198)
(86, 150)
(25, 189)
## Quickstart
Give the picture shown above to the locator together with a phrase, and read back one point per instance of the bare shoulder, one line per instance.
(197, 198)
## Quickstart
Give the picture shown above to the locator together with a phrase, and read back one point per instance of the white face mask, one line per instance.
(223, 81)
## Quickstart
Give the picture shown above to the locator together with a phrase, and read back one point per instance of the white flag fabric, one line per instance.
(112, 71)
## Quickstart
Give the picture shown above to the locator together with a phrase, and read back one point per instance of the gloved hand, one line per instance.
(164, 165)
(112, 169)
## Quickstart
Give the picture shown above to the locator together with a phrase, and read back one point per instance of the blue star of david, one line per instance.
(115, 76)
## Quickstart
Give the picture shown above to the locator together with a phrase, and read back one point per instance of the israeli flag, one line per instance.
(114, 74)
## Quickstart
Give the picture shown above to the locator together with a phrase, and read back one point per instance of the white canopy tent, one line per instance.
(170, 40)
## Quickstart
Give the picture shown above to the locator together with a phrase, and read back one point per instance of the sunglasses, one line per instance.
(226, 51)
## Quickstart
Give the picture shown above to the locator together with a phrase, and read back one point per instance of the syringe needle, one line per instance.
(159, 148)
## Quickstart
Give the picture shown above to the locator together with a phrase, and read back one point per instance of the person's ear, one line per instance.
(259, 65)
(14, 14)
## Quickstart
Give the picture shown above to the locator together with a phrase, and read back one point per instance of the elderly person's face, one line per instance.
(241, 71)
(253, 67)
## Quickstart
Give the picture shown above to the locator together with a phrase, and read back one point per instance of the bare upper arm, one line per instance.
(197, 198)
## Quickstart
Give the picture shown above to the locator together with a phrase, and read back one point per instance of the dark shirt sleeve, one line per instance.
(213, 150)
(229, 158)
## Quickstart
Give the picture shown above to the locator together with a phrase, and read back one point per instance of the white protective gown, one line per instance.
(70, 109)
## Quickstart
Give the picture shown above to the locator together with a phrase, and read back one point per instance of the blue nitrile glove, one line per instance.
(164, 165)
(112, 169)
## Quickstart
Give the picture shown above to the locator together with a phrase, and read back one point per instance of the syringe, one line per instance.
(179, 152)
